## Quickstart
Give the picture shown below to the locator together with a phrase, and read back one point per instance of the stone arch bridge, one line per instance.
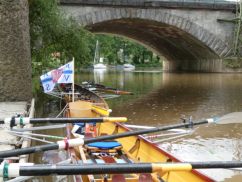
(187, 33)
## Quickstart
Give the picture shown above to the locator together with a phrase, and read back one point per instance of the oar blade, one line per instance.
(101, 111)
(235, 117)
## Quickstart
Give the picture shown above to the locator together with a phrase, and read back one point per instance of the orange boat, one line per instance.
(133, 149)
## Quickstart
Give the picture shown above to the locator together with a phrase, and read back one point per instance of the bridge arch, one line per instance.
(184, 43)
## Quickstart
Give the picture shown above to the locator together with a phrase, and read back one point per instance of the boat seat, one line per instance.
(105, 145)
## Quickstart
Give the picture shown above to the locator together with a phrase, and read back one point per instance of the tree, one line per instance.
(111, 45)
(51, 32)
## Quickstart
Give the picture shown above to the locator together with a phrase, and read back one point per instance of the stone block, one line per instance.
(118, 13)
(133, 13)
(179, 22)
(123, 13)
(143, 13)
(139, 13)
(108, 14)
(94, 17)
(225, 52)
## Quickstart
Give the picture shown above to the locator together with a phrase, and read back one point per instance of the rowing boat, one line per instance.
(133, 149)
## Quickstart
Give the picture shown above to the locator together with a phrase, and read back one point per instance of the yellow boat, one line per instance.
(133, 149)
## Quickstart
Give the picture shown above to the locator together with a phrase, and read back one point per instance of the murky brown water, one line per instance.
(161, 98)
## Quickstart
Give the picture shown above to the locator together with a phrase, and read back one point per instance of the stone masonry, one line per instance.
(15, 58)
(189, 37)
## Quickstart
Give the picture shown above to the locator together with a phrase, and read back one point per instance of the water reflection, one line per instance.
(161, 98)
(99, 75)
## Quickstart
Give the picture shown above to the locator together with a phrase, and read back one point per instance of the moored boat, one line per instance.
(128, 67)
(98, 61)
(91, 151)
(133, 149)
(99, 66)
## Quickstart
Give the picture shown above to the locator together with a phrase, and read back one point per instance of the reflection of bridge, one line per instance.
(187, 33)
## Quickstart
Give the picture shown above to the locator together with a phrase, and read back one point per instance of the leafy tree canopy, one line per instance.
(56, 38)
(53, 35)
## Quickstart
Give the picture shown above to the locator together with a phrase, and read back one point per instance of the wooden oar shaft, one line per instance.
(15, 170)
(24, 120)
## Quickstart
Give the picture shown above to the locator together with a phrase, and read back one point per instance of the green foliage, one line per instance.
(233, 63)
(56, 38)
(51, 32)
(134, 53)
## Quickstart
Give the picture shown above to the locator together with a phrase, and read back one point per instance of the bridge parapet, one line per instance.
(191, 4)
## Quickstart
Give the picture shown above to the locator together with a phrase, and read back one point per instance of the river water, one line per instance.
(163, 98)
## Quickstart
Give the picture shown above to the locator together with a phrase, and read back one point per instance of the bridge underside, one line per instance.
(182, 50)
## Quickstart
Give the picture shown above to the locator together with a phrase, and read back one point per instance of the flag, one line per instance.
(64, 74)
(47, 82)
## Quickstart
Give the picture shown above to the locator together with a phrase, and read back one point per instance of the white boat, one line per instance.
(98, 61)
(129, 67)
(99, 66)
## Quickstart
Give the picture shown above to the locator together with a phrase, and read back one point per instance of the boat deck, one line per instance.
(9, 109)
(8, 141)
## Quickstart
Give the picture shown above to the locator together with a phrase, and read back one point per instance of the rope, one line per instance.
(62, 111)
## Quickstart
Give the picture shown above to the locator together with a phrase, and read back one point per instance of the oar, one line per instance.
(34, 134)
(100, 87)
(114, 91)
(37, 128)
(78, 141)
(101, 111)
(25, 120)
(16, 169)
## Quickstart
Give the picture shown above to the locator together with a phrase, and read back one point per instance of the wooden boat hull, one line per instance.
(136, 148)
(140, 149)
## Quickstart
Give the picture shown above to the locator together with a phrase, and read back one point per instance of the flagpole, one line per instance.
(73, 82)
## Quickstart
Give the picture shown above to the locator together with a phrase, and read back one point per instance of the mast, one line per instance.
(73, 82)
(96, 55)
